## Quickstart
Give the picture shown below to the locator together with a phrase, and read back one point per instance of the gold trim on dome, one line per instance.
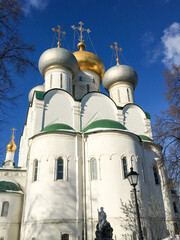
(116, 83)
(11, 147)
(90, 61)
(56, 66)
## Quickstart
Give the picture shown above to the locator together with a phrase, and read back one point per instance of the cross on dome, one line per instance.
(59, 32)
(117, 49)
(13, 130)
(81, 45)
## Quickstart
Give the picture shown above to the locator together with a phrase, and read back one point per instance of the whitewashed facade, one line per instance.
(75, 151)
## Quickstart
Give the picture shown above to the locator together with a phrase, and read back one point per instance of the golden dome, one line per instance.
(89, 61)
(11, 147)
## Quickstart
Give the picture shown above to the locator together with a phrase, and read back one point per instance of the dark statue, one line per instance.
(104, 231)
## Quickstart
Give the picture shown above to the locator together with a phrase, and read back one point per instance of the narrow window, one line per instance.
(2, 238)
(175, 207)
(93, 169)
(87, 87)
(93, 80)
(60, 168)
(80, 78)
(128, 95)
(156, 177)
(124, 162)
(61, 80)
(65, 237)
(51, 81)
(74, 90)
(5, 209)
(35, 170)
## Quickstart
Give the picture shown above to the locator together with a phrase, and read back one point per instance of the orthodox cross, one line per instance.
(13, 130)
(81, 29)
(117, 49)
(59, 32)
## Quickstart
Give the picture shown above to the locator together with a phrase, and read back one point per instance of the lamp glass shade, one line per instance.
(133, 177)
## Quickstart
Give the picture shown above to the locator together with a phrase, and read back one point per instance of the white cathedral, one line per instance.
(75, 152)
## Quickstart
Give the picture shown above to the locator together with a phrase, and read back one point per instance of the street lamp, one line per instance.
(132, 176)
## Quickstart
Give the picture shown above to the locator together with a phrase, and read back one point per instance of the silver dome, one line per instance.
(58, 56)
(120, 73)
(37, 88)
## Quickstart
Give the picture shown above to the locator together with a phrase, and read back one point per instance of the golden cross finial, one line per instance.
(117, 49)
(81, 45)
(13, 130)
(59, 32)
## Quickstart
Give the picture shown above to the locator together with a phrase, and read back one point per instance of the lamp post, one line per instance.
(132, 176)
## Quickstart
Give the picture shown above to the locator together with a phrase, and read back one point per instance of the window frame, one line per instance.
(56, 169)
(92, 168)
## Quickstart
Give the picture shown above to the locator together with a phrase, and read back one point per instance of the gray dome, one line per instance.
(37, 88)
(120, 73)
(58, 56)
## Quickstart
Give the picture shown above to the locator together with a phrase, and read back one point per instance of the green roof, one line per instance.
(40, 95)
(9, 186)
(57, 127)
(145, 138)
(104, 123)
(148, 115)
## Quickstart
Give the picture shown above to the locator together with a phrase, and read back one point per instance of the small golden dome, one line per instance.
(89, 61)
(11, 147)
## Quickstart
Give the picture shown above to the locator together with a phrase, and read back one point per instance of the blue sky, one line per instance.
(148, 31)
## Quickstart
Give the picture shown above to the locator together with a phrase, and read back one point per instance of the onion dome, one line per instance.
(57, 57)
(11, 147)
(119, 73)
(89, 61)
(37, 88)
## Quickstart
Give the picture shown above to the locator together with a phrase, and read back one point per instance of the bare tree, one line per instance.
(14, 59)
(167, 125)
(152, 219)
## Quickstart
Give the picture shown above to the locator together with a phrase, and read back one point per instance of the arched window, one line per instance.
(2, 238)
(124, 163)
(145, 232)
(93, 169)
(80, 78)
(60, 168)
(33, 238)
(35, 174)
(87, 87)
(128, 95)
(5, 209)
(65, 237)
(176, 228)
(156, 176)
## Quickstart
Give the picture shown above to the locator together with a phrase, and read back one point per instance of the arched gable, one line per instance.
(58, 108)
(135, 119)
(96, 106)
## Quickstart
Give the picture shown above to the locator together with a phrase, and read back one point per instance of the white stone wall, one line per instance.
(58, 78)
(84, 82)
(10, 225)
(122, 93)
(53, 206)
